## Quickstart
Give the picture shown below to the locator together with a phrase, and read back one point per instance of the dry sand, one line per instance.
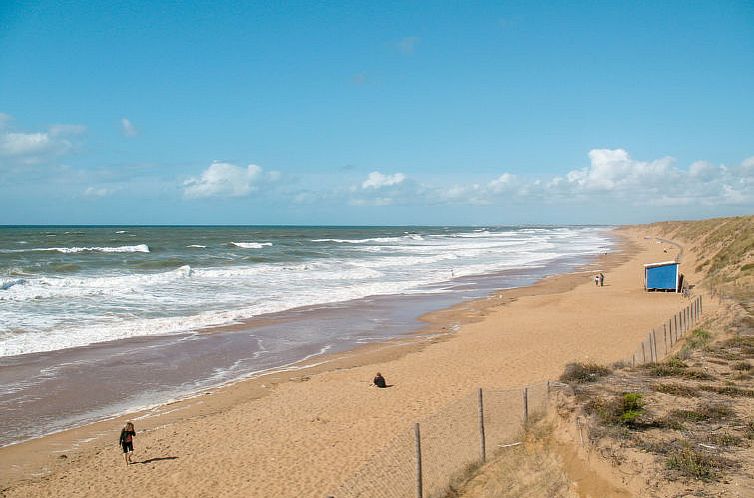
(301, 434)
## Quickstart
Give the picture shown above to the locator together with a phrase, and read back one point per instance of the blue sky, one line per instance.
(375, 112)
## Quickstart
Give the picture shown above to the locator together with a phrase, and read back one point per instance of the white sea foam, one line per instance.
(51, 312)
(251, 245)
(122, 231)
(197, 246)
(72, 250)
(373, 239)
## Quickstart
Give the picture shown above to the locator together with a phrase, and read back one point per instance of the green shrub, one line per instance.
(619, 410)
(698, 375)
(580, 373)
(673, 366)
(724, 439)
(698, 339)
(676, 390)
(704, 412)
(691, 462)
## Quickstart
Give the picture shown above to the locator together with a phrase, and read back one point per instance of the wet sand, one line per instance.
(46, 392)
(301, 433)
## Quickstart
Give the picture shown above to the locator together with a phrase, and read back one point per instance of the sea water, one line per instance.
(115, 317)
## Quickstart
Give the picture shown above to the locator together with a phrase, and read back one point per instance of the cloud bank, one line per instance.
(612, 176)
(18, 147)
(227, 180)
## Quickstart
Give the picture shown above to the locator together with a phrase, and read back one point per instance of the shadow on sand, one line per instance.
(151, 460)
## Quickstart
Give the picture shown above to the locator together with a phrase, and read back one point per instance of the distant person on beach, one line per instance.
(596, 280)
(379, 380)
(602, 279)
(127, 441)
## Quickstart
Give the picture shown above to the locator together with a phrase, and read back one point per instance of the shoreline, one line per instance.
(437, 323)
(228, 398)
(182, 366)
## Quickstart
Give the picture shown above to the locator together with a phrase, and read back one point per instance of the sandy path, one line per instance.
(303, 438)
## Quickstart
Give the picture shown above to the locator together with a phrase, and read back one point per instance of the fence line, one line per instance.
(650, 350)
(423, 461)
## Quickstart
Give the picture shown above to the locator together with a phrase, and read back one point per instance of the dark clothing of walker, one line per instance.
(127, 440)
(379, 381)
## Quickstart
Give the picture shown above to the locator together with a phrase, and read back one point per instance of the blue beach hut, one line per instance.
(662, 277)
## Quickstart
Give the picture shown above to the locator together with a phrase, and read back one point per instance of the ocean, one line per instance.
(95, 321)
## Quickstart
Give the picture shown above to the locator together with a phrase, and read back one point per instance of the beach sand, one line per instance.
(302, 433)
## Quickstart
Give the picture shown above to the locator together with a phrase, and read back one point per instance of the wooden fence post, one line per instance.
(482, 442)
(701, 306)
(418, 441)
(670, 329)
(526, 404)
(665, 334)
(654, 339)
(643, 354)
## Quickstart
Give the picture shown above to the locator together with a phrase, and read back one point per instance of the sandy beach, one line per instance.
(302, 432)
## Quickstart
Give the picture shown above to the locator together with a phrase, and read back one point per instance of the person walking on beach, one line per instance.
(596, 280)
(602, 280)
(379, 380)
(127, 441)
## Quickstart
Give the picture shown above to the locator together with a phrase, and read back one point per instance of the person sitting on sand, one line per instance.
(127, 441)
(379, 380)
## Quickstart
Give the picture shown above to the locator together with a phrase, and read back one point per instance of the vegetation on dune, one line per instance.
(698, 339)
(619, 410)
(692, 462)
(726, 251)
(580, 373)
(704, 412)
(676, 390)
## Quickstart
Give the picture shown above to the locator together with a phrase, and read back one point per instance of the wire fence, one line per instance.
(424, 461)
(660, 341)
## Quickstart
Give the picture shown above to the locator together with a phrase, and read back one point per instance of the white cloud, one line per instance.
(36, 147)
(26, 144)
(127, 128)
(377, 180)
(613, 169)
(225, 180)
(612, 177)
(379, 189)
(97, 192)
(504, 182)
